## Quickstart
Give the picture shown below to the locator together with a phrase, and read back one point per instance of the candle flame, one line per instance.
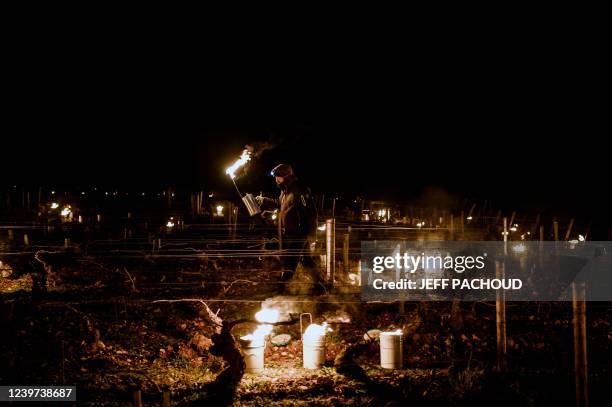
(315, 331)
(244, 158)
(259, 334)
(267, 315)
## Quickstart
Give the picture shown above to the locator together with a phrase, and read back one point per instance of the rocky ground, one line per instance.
(99, 328)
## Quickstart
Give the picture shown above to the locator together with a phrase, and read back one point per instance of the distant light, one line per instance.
(581, 238)
(219, 209)
(106, 193)
(513, 229)
(519, 248)
(322, 227)
(143, 194)
(83, 193)
(170, 224)
(54, 205)
(66, 212)
(52, 192)
(173, 194)
(469, 218)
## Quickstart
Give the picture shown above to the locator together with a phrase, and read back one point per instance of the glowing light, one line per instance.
(322, 227)
(519, 248)
(396, 332)
(469, 217)
(170, 224)
(244, 158)
(315, 331)
(54, 205)
(52, 192)
(219, 209)
(259, 334)
(275, 214)
(581, 238)
(66, 211)
(267, 315)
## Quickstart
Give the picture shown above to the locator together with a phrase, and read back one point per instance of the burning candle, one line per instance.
(391, 353)
(254, 344)
(313, 345)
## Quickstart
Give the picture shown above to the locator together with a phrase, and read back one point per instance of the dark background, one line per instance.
(527, 139)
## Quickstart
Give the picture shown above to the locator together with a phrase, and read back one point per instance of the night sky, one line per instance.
(518, 144)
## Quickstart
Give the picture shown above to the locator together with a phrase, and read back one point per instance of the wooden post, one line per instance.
(137, 398)
(345, 256)
(505, 230)
(500, 320)
(580, 344)
(541, 233)
(512, 218)
(166, 398)
(569, 229)
(330, 243)
(556, 230)
(11, 236)
(461, 224)
(452, 227)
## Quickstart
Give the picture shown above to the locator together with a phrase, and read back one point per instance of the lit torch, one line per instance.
(248, 199)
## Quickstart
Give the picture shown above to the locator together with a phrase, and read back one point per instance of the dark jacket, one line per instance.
(297, 209)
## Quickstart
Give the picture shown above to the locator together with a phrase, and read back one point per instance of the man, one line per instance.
(297, 223)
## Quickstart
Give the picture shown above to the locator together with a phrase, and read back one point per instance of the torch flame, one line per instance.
(244, 158)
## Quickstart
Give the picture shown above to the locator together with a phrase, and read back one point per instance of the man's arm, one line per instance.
(267, 203)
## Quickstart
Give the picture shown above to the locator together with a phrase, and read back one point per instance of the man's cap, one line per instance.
(282, 170)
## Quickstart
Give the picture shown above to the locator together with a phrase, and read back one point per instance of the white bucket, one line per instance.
(313, 351)
(391, 353)
(254, 356)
